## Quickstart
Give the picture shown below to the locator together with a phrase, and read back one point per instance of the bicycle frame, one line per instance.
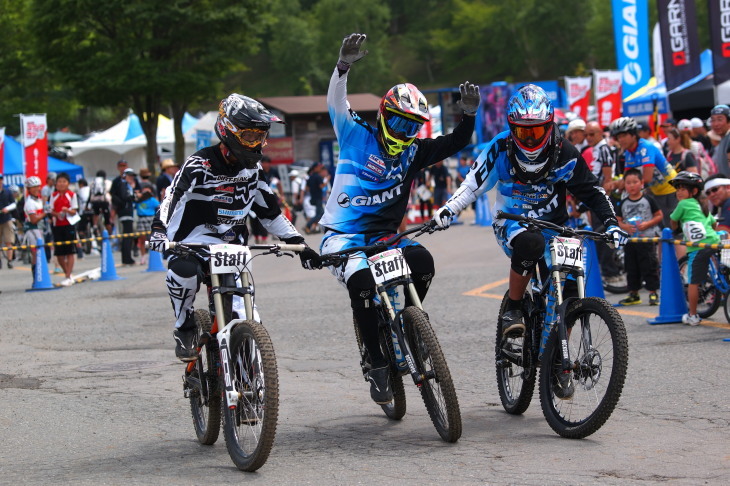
(718, 277)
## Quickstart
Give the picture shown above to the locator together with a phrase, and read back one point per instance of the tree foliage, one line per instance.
(147, 53)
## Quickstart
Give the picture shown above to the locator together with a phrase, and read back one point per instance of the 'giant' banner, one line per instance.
(680, 45)
(719, 14)
(608, 95)
(34, 132)
(631, 36)
(579, 90)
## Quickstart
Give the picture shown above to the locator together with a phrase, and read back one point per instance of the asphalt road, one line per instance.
(90, 391)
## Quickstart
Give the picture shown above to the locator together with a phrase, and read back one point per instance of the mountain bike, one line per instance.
(406, 337)
(579, 341)
(713, 290)
(235, 375)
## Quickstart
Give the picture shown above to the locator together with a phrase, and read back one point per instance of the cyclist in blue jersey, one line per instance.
(532, 168)
(645, 156)
(371, 188)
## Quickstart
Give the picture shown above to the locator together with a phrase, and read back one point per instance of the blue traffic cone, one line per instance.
(594, 282)
(108, 270)
(484, 217)
(155, 264)
(41, 275)
(673, 302)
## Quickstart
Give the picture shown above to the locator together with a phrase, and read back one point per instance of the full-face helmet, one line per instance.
(534, 139)
(403, 110)
(243, 125)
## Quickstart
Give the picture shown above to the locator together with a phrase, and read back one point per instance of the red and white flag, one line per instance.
(34, 135)
(2, 149)
(608, 96)
(579, 92)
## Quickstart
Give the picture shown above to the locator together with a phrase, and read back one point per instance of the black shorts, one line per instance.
(698, 264)
(64, 233)
(101, 207)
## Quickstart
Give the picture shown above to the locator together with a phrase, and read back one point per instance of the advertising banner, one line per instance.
(579, 92)
(631, 37)
(719, 14)
(680, 44)
(608, 95)
(280, 150)
(34, 137)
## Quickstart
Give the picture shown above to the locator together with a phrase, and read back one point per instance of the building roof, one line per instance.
(301, 105)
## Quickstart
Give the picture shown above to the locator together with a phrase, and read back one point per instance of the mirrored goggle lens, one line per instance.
(530, 136)
(250, 137)
(404, 126)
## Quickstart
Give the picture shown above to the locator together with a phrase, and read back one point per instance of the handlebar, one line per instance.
(562, 230)
(273, 248)
(338, 257)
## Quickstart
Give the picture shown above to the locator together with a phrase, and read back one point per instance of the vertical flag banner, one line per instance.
(680, 44)
(579, 92)
(608, 95)
(631, 37)
(719, 14)
(2, 149)
(34, 133)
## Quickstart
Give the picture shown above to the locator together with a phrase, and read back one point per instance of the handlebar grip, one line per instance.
(513, 217)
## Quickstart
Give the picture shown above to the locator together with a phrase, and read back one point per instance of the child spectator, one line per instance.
(145, 205)
(692, 215)
(63, 204)
(35, 215)
(639, 216)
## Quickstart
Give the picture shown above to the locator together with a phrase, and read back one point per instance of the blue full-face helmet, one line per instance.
(530, 117)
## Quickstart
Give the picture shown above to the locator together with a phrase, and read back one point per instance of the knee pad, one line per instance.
(361, 287)
(185, 266)
(528, 247)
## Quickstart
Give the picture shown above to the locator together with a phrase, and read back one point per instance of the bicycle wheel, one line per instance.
(515, 378)
(437, 388)
(205, 394)
(710, 298)
(598, 346)
(397, 408)
(250, 427)
(617, 284)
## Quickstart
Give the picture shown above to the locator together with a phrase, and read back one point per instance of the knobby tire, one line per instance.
(205, 402)
(515, 383)
(250, 428)
(437, 389)
(598, 373)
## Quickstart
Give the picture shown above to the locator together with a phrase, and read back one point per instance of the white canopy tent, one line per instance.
(125, 140)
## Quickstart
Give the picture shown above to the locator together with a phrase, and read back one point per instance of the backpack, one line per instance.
(98, 190)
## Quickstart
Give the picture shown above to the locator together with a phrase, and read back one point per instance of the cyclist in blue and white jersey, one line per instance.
(371, 188)
(532, 168)
(645, 156)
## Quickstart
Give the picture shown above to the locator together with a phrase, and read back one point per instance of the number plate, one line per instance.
(388, 265)
(229, 258)
(567, 252)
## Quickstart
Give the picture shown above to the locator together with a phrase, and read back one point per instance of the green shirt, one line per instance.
(690, 210)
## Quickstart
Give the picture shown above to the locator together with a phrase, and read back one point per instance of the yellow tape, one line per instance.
(71, 242)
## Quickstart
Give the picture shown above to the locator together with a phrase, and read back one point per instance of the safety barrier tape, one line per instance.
(656, 239)
(73, 242)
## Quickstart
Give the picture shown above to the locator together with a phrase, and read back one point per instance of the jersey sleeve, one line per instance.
(338, 106)
(432, 150)
(480, 178)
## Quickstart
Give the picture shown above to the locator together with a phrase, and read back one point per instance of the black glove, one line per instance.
(350, 51)
(310, 259)
(470, 97)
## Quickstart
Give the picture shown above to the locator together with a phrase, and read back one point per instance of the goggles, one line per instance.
(248, 137)
(530, 136)
(402, 126)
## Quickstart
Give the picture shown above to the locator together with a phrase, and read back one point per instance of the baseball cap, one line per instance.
(721, 110)
(122, 162)
(669, 121)
(696, 123)
(684, 124)
(294, 173)
(128, 172)
(576, 124)
(642, 127)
